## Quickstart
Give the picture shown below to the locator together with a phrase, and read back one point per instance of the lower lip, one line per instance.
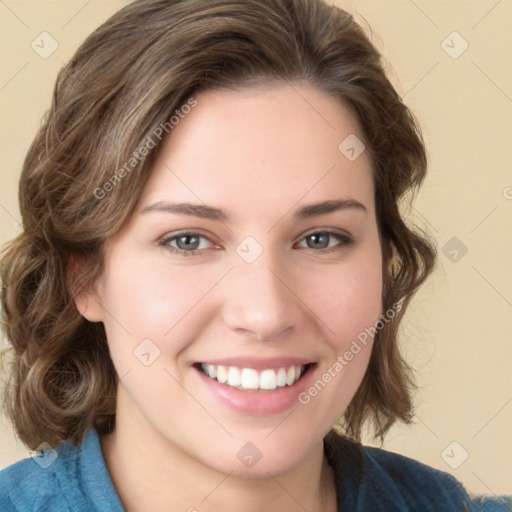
(257, 402)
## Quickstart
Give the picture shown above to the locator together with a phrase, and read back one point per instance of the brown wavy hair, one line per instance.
(127, 78)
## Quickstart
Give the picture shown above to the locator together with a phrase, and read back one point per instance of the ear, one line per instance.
(86, 298)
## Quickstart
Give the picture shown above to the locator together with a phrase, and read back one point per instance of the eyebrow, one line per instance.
(213, 213)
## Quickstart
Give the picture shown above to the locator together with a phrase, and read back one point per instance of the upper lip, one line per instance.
(258, 363)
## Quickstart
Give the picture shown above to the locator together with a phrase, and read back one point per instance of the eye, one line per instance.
(321, 240)
(187, 243)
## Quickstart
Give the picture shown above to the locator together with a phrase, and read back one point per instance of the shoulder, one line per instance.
(48, 481)
(413, 482)
(410, 481)
(30, 484)
(389, 481)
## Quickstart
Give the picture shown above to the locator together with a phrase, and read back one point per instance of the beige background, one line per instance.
(458, 332)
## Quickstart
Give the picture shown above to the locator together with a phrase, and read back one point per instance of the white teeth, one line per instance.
(249, 378)
(268, 379)
(222, 374)
(234, 378)
(290, 376)
(281, 377)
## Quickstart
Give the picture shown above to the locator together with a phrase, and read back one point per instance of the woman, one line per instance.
(203, 304)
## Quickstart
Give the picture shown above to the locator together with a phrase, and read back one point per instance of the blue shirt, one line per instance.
(76, 479)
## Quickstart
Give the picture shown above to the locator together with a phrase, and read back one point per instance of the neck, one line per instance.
(172, 480)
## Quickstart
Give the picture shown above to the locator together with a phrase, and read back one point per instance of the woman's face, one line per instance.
(265, 288)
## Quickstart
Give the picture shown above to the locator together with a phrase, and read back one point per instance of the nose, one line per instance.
(259, 302)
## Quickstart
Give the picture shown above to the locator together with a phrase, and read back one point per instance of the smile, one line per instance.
(256, 387)
(246, 379)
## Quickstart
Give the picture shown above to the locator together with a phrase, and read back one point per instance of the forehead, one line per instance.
(262, 148)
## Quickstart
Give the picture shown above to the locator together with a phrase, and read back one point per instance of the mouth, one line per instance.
(252, 379)
(255, 387)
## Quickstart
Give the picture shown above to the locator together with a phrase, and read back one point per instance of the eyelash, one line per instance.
(165, 241)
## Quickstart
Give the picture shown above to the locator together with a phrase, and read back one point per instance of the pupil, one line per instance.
(187, 238)
(316, 238)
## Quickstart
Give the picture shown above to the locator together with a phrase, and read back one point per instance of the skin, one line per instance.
(260, 153)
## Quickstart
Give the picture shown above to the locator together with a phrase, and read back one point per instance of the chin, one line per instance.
(258, 458)
(258, 468)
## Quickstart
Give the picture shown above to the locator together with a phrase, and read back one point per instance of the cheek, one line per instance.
(348, 299)
(150, 300)
(350, 310)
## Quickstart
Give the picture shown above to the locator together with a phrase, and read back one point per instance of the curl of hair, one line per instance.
(127, 78)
